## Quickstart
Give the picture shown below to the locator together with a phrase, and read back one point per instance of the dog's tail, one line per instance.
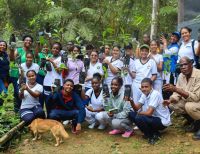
(63, 133)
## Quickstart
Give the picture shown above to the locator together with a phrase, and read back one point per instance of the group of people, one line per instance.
(107, 88)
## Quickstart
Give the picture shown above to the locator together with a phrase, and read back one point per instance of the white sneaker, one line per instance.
(136, 128)
(66, 122)
(101, 127)
(91, 126)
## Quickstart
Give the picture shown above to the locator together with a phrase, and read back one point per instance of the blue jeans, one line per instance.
(62, 115)
(149, 125)
(17, 102)
(2, 87)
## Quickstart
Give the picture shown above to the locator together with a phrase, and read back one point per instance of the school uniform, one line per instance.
(93, 68)
(117, 64)
(96, 103)
(160, 118)
(127, 77)
(142, 71)
(157, 85)
(30, 108)
(34, 67)
(50, 78)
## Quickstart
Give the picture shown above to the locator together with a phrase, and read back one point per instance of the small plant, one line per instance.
(8, 118)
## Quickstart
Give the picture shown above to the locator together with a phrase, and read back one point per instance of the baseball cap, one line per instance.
(177, 34)
(144, 46)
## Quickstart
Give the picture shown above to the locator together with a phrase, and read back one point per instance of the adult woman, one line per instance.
(114, 65)
(159, 62)
(67, 105)
(14, 68)
(94, 67)
(117, 110)
(149, 113)
(4, 68)
(54, 72)
(144, 67)
(188, 47)
(29, 93)
(75, 66)
(95, 94)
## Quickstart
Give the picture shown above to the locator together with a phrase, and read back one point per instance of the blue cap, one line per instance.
(177, 34)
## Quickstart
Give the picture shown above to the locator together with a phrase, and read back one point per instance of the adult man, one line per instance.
(186, 95)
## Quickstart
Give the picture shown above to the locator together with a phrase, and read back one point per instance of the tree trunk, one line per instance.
(154, 18)
(180, 11)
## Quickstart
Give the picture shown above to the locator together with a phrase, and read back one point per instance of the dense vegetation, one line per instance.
(96, 21)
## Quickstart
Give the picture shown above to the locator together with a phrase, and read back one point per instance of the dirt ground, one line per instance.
(174, 141)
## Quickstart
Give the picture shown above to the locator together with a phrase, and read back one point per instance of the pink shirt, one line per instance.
(74, 69)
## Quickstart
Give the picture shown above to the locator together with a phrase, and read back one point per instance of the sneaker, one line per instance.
(66, 122)
(91, 126)
(136, 128)
(101, 127)
(127, 134)
(115, 131)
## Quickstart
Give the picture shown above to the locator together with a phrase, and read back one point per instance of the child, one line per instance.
(157, 85)
(94, 67)
(114, 65)
(54, 72)
(29, 65)
(117, 110)
(29, 93)
(95, 94)
(144, 67)
(149, 113)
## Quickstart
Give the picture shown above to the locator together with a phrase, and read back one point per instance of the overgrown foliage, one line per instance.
(96, 21)
(8, 119)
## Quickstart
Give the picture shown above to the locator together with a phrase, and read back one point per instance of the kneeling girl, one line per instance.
(29, 93)
(95, 95)
(116, 111)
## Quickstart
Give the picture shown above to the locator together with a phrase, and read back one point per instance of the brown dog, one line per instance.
(39, 126)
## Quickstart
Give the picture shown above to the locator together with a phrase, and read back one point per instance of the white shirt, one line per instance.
(117, 64)
(127, 78)
(158, 58)
(155, 100)
(95, 102)
(34, 67)
(186, 50)
(144, 70)
(29, 101)
(52, 75)
(96, 68)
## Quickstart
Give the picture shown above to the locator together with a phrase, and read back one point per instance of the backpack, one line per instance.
(196, 58)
